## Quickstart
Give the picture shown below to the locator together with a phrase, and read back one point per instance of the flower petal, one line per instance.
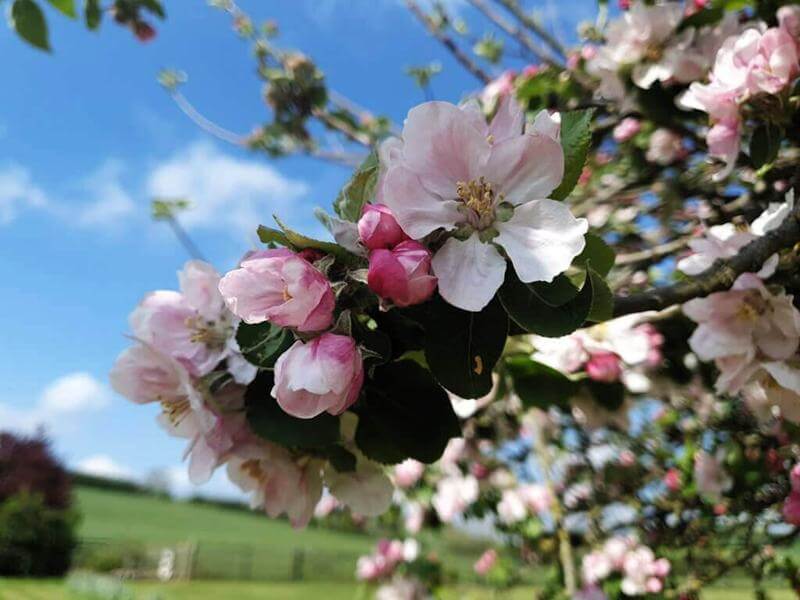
(417, 210)
(469, 272)
(526, 167)
(541, 239)
(443, 146)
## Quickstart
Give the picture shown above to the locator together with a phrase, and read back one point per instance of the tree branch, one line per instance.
(720, 276)
(529, 22)
(448, 42)
(515, 32)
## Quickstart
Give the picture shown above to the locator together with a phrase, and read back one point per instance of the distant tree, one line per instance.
(28, 465)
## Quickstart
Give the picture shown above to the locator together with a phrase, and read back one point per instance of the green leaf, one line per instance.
(405, 414)
(154, 6)
(598, 252)
(538, 385)
(608, 395)
(28, 21)
(359, 190)
(262, 344)
(297, 241)
(66, 7)
(557, 293)
(462, 347)
(703, 18)
(525, 307)
(602, 299)
(764, 144)
(93, 14)
(576, 137)
(268, 420)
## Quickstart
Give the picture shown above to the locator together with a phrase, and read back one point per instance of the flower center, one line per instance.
(175, 410)
(479, 198)
(286, 295)
(209, 333)
(252, 468)
(654, 52)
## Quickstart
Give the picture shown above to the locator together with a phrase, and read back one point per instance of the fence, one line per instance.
(188, 560)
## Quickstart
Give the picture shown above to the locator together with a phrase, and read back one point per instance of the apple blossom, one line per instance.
(665, 147)
(280, 287)
(367, 490)
(453, 495)
(604, 367)
(789, 19)
(720, 241)
(485, 563)
(143, 374)
(377, 228)
(486, 186)
(626, 129)
(408, 473)
(323, 375)
(402, 275)
(276, 481)
(710, 476)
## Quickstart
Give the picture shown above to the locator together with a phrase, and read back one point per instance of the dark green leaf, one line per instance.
(298, 241)
(267, 419)
(764, 144)
(533, 314)
(462, 347)
(154, 6)
(703, 18)
(608, 395)
(92, 13)
(262, 344)
(359, 190)
(405, 414)
(602, 299)
(598, 252)
(66, 7)
(28, 21)
(576, 137)
(557, 293)
(538, 385)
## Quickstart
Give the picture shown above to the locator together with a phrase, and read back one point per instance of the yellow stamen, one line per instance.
(477, 195)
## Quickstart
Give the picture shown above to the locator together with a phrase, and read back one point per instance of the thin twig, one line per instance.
(515, 32)
(529, 22)
(448, 42)
(183, 238)
(205, 124)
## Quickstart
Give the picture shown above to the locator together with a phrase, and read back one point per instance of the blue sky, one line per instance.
(87, 137)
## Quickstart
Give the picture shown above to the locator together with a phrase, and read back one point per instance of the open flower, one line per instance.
(487, 186)
(280, 287)
(322, 375)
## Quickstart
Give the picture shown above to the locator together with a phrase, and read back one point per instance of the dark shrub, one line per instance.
(27, 464)
(35, 540)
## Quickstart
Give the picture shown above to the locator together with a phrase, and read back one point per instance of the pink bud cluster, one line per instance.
(399, 267)
(323, 374)
(642, 573)
(485, 563)
(388, 555)
(791, 506)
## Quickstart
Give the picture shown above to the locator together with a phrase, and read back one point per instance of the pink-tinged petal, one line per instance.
(199, 283)
(469, 272)
(418, 211)
(541, 239)
(474, 113)
(546, 123)
(442, 146)
(526, 167)
(785, 375)
(710, 342)
(508, 121)
(202, 462)
(367, 490)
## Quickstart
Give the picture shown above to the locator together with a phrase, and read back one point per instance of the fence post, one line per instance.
(298, 558)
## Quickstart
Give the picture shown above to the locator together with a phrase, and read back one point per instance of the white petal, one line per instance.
(541, 239)
(367, 491)
(508, 121)
(546, 124)
(785, 375)
(526, 167)
(469, 272)
(443, 146)
(417, 210)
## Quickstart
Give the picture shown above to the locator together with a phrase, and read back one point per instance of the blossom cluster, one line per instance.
(641, 572)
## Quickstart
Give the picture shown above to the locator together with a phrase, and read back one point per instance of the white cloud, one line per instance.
(18, 193)
(102, 465)
(109, 202)
(219, 486)
(61, 403)
(224, 191)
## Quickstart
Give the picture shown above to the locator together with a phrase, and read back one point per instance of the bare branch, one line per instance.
(720, 276)
(448, 42)
(516, 33)
(204, 123)
(514, 8)
(653, 253)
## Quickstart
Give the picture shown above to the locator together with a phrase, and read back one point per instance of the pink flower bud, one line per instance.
(789, 19)
(403, 274)
(604, 366)
(143, 31)
(794, 475)
(378, 228)
(408, 472)
(661, 568)
(626, 129)
(654, 585)
(723, 140)
(323, 375)
(672, 480)
(280, 287)
(485, 563)
(791, 509)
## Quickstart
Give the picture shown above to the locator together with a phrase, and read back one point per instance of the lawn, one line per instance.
(11, 589)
